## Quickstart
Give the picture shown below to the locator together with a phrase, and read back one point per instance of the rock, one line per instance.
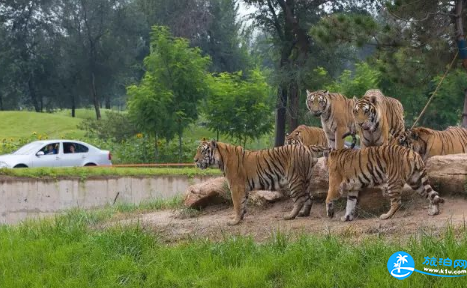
(262, 197)
(448, 173)
(209, 192)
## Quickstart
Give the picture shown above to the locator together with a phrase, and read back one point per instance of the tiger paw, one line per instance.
(385, 216)
(303, 214)
(434, 210)
(289, 217)
(347, 218)
(234, 222)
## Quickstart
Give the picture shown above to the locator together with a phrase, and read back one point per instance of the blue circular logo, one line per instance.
(401, 265)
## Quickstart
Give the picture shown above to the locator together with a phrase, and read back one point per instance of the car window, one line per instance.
(71, 147)
(28, 148)
(50, 149)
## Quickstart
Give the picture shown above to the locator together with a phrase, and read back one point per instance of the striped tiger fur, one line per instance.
(390, 165)
(379, 118)
(269, 169)
(336, 115)
(428, 142)
(306, 135)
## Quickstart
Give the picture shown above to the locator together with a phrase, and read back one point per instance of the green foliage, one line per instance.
(449, 96)
(166, 100)
(239, 108)
(114, 127)
(70, 251)
(85, 172)
(357, 83)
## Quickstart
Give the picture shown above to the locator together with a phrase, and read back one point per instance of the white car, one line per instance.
(56, 153)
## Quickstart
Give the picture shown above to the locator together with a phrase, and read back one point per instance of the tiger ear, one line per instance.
(413, 135)
(213, 143)
(373, 99)
(355, 98)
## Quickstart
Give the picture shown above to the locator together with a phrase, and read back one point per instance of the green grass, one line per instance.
(82, 113)
(71, 252)
(85, 172)
(22, 124)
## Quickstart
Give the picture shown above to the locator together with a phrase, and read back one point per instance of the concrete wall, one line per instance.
(22, 198)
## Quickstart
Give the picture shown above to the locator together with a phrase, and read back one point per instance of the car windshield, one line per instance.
(28, 148)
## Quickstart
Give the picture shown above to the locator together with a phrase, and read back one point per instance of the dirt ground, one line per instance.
(262, 223)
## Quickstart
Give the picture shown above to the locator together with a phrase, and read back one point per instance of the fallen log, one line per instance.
(447, 174)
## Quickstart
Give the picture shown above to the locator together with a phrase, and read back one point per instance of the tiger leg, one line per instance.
(239, 199)
(419, 182)
(300, 197)
(333, 194)
(307, 207)
(340, 140)
(352, 199)
(394, 192)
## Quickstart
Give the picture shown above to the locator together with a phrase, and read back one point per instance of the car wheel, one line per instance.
(20, 166)
(90, 164)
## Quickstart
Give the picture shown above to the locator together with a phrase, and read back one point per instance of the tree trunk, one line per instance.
(461, 44)
(73, 106)
(95, 97)
(32, 94)
(293, 106)
(107, 101)
(156, 149)
(180, 147)
(464, 114)
(281, 116)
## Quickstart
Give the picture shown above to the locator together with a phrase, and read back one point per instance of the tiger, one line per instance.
(306, 135)
(269, 169)
(428, 142)
(379, 119)
(336, 115)
(390, 165)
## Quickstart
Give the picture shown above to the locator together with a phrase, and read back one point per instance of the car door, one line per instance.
(49, 158)
(73, 157)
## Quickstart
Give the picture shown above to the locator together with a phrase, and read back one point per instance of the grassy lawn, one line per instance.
(71, 252)
(82, 113)
(21, 124)
(84, 172)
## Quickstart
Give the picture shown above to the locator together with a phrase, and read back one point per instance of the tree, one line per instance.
(239, 108)
(414, 41)
(287, 23)
(173, 85)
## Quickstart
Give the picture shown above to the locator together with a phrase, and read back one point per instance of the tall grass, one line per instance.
(71, 252)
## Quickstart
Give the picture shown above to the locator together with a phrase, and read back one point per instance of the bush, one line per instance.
(116, 126)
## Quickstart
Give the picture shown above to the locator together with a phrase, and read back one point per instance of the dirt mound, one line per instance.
(263, 222)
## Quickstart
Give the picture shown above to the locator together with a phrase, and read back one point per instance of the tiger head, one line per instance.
(404, 138)
(414, 139)
(317, 102)
(294, 138)
(206, 154)
(365, 113)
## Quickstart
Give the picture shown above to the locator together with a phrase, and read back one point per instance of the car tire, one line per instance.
(90, 164)
(20, 166)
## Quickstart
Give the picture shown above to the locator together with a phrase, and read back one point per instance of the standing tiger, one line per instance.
(352, 170)
(428, 142)
(269, 169)
(379, 118)
(336, 115)
(307, 136)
